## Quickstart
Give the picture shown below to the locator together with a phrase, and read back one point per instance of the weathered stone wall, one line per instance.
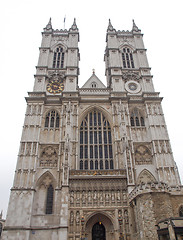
(145, 216)
(162, 206)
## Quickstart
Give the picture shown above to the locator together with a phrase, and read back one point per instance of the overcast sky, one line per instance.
(21, 24)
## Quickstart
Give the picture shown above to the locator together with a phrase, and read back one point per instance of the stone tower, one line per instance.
(94, 162)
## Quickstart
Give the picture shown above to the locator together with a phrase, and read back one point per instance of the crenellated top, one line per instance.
(49, 29)
(112, 30)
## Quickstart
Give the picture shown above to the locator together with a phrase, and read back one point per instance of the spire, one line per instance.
(48, 26)
(74, 26)
(110, 27)
(135, 28)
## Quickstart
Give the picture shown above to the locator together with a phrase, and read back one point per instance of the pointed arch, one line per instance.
(44, 195)
(127, 56)
(145, 176)
(136, 118)
(95, 140)
(58, 56)
(97, 108)
(123, 45)
(57, 44)
(46, 179)
(52, 119)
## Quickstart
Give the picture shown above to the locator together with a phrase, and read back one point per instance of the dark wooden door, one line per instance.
(98, 232)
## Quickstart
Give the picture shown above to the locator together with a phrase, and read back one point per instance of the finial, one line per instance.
(93, 71)
(135, 28)
(1, 214)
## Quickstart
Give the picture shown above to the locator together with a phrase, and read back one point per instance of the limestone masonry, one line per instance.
(94, 162)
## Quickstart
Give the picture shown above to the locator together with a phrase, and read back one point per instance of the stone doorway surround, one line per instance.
(106, 220)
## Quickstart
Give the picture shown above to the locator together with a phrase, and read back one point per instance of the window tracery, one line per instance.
(95, 142)
(127, 58)
(52, 120)
(58, 58)
(136, 119)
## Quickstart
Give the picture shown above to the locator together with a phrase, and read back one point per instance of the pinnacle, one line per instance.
(135, 28)
(48, 26)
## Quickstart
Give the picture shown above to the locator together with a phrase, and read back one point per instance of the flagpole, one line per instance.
(64, 21)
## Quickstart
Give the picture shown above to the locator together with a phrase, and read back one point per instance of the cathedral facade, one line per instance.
(94, 162)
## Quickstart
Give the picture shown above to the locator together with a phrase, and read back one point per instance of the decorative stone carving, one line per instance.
(56, 76)
(143, 155)
(34, 148)
(71, 218)
(28, 149)
(126, 216)
(77, 218)
(145, 176)
(131, 75)
(49, 157)
(22, 149)
(72, 197)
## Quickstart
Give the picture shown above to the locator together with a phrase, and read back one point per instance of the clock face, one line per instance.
(132, 86)
(55, 87)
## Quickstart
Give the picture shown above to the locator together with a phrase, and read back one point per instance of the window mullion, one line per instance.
(102, 132)
(88, 139)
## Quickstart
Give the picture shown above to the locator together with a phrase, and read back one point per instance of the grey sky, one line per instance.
(21, 24)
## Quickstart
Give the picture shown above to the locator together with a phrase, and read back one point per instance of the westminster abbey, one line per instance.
(95, 163)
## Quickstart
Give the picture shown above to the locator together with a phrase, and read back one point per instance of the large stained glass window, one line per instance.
(95, 142)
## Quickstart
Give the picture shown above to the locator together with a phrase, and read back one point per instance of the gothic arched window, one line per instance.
(136, 120)
(95, 142)
(181, 211)
(127, 58)
(58, 58)
(94, 85)
(52, 120)
(49, 200)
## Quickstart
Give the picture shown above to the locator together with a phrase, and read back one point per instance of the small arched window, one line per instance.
(58, 58)
(95, 142)
(52, 120)
(136, 119)
(127, 58)
(49, 200)
(94, 85)
(181, 211)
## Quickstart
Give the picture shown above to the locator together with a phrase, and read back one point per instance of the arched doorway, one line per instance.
(100, 226)
(98, 231)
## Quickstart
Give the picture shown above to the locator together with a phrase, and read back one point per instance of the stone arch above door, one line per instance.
(145, 176)
(105, 220)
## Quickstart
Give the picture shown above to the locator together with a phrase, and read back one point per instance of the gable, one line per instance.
(93, 82)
